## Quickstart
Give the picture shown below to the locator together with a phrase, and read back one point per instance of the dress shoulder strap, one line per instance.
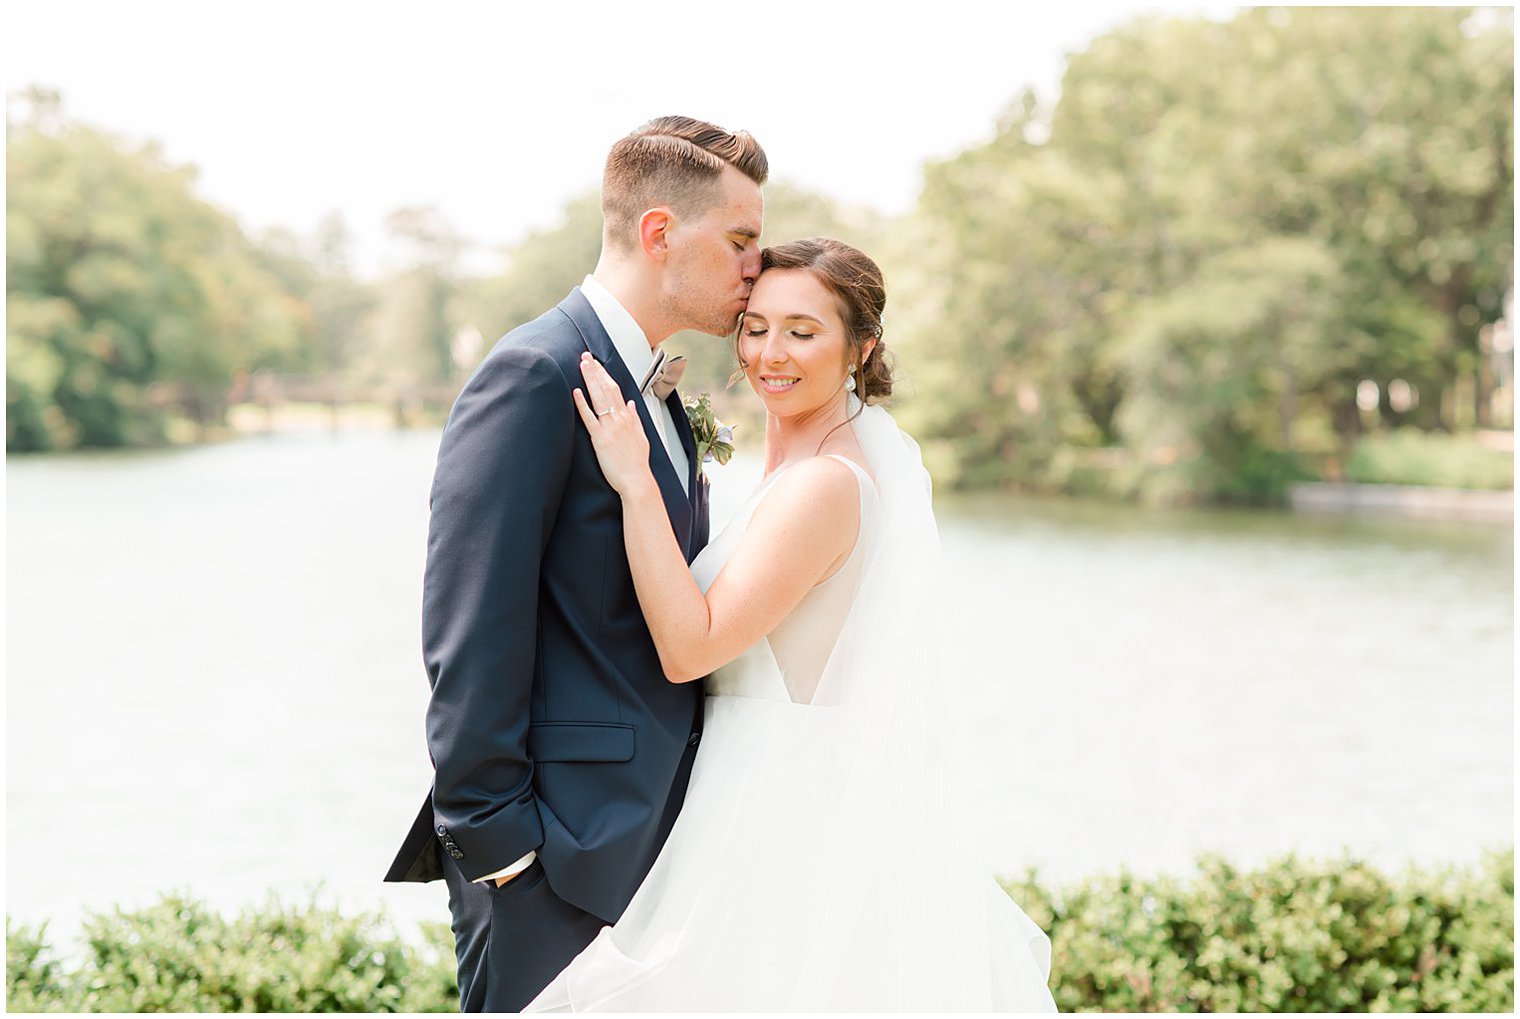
(860, 472)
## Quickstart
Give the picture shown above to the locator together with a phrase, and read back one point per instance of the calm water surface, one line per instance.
(215, 681)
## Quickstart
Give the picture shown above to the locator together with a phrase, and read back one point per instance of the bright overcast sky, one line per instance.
(498, 113)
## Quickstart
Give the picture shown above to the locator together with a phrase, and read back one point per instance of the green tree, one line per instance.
(1078, 271)
(540, 270)
(415, 319)
(340, 303)
(1216, 370)
(125, 293)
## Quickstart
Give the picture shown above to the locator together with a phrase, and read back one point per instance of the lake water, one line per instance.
(215, 682)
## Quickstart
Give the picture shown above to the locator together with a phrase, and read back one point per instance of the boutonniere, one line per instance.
(714, 439)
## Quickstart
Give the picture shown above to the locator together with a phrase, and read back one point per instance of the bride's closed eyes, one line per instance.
(762, 330)
(755, 325)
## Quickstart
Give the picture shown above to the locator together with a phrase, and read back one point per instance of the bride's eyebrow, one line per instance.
(795, 316)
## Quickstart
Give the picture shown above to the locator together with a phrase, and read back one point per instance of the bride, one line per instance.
(822, 859)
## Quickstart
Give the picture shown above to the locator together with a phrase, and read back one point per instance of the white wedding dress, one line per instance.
(819, 862)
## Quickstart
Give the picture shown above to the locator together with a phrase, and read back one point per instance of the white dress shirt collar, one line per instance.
(627, 336)
(632, 346)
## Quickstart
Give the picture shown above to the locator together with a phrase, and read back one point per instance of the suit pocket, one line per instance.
(531, 875)
(580, 741)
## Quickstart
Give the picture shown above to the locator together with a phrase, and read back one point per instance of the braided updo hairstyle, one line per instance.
(850, 275)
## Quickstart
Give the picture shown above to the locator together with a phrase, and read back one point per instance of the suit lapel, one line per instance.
(677, 504)
(688, 442)
(696, 481)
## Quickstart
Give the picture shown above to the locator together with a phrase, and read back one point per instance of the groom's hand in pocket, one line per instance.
(512, 870)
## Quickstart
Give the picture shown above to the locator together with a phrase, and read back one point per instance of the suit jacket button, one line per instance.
(693, 739)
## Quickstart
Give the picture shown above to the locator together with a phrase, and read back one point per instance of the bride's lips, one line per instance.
(778, 383)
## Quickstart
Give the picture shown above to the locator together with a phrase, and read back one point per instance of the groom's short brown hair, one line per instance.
(674, 161)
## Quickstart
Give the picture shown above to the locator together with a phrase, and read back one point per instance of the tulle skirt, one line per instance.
(769, 897)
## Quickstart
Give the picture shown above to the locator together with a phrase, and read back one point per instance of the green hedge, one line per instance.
(1290, 936)
(1410, 457)
(178, 956)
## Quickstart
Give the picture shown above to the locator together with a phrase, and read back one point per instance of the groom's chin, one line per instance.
(722, 329)
(720, 319)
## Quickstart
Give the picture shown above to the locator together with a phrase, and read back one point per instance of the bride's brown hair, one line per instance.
(850, 275)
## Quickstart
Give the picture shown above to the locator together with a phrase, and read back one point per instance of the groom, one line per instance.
(561, 752)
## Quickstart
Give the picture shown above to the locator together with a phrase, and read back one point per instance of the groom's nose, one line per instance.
(751, 267)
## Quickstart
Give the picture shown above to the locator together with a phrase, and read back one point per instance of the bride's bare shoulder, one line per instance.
(802, 526)
(821, 485)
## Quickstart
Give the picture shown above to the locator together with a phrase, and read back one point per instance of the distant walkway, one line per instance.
(1404, 501)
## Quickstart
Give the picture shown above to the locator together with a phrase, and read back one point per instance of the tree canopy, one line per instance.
(1214, 235)
(124, 291)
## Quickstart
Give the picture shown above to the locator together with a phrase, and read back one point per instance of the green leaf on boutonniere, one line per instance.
(714, 439)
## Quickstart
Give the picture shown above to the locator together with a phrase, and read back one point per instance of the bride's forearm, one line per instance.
(674, 607)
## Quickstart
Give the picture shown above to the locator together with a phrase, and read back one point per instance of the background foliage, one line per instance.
(1170, 282)
(1290, 936)
(1195, 255)
(124, 292)
(178, 956)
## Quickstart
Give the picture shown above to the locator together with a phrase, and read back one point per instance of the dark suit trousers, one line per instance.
(511, 941)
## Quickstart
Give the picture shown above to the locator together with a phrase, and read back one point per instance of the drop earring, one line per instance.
(849, 380)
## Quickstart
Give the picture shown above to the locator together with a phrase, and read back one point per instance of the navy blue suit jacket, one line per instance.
(551, 725)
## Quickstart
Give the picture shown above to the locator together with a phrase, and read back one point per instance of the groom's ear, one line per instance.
(654, 226)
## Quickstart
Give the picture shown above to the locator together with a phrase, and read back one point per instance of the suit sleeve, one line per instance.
(502, 469)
